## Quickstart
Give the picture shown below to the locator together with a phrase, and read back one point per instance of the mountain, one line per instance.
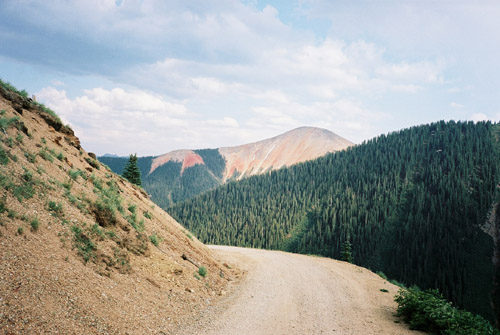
(420, 205)
(83, 251)
(183, 174)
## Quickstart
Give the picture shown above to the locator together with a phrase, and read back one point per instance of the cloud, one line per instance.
(117, 120)
(456, 105)
(476, 117)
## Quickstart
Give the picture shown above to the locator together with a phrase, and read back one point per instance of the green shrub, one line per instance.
(382, 275)
(10, 142)
(4, 159)
(202, 271)
(74, 174)
(30, 157)
(24, 191)
(35, 224)
(132, 208)
(55, 208)
(20, 230)
(154, 239)
(430, 312)
(92, 162)
(86, 248)
(147, 215)
(60, 156)
(19, 138)
(45, 155)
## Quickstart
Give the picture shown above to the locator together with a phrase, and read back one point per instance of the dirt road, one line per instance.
(286, 293)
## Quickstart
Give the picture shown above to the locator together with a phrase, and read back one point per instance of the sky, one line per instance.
(152, 76)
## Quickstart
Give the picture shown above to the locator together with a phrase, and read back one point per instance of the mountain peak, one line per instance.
(295, 146)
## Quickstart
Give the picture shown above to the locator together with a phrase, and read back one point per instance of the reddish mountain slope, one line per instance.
(295, 146)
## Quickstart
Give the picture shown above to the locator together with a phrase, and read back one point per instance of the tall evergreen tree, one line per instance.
(131, 171)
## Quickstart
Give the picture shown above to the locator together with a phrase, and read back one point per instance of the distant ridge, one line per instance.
(181, 174)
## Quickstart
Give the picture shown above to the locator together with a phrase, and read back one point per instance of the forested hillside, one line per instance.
(166, 184)
(411, 204)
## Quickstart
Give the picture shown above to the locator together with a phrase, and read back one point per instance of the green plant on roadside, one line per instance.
(430, 312)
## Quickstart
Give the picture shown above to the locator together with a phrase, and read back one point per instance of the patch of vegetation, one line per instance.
(30, 157)
(155, 239)
(3, 206)
(98, 232)
(74, 174)
(108, 202)
(384, 290)
(20, 230)
(46, 155)
(97, 182)
(382, 275)
(92, 162)
(147, 215)
(11, 214)
(60, 156)
(23, 191)
(44, 141)
(4, 159)
(55, 208)
(202, 271)
(10, 142)
(86, 248)
(430, 312)
(35, 224)
(19, 138)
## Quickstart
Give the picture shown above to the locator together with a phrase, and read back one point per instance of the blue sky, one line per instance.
(151, 76)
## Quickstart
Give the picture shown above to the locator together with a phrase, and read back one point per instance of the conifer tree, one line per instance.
(131, 171)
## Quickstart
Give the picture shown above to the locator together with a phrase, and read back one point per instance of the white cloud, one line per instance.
(476, 117)
(456, 105)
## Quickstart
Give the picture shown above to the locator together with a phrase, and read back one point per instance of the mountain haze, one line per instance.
(182, 174)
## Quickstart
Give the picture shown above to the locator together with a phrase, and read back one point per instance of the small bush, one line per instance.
(30, 157)
(430, 312)
(382, 275)
(147, 215)
(45, 155)
(20, 230)
(86, 248)
(92, 162)
(132, 208)
(154, 239)
(74, 174)
(35, 224)
(19, 138)
(55, 208)
(4, 159)
(60, 156)
(202, 271)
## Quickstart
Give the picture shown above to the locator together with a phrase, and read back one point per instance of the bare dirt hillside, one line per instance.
(296, 146)
(292, 294)
(82, 251)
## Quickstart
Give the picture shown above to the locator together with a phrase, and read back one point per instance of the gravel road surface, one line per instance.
(284, 293)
